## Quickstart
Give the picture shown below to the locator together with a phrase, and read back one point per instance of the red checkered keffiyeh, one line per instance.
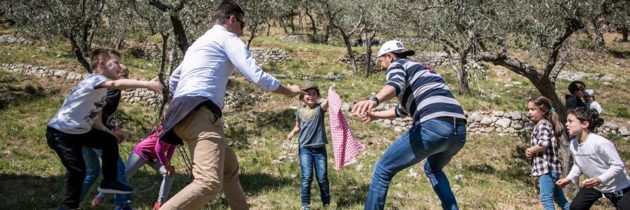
(345, 146)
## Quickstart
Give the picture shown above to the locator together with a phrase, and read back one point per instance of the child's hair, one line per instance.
(589, 115)
(544, 105)
(576, 85)
(102, 54)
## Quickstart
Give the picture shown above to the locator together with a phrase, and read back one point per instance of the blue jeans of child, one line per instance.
(314, 158)
(92, 171)
(437, 141)
(550, 192)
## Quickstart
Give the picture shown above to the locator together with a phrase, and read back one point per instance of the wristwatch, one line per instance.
(375, 99)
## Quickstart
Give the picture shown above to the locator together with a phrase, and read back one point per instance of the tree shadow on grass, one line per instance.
(256, 183)
(518, 169)
(12, 91)
(23, 191)
(239, 132)
(353, 194)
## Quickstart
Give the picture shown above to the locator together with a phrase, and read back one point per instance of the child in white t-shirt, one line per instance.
(597, 158)
(78, 124)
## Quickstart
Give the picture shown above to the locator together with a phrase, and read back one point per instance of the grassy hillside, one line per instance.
(491, 172)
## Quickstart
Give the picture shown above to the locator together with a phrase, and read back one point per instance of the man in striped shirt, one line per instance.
(439, 124)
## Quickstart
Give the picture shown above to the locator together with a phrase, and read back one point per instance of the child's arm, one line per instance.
(608, 153)
(530, 151)
(131, 84)
(324, 105)
(98, 124)
(544, 137)
(571, 177)
(296, 128)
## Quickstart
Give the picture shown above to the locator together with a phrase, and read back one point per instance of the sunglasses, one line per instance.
(240, 20)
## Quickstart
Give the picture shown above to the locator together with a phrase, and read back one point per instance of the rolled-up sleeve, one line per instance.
(246, 64)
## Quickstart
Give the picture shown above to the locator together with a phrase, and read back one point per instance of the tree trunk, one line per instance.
(599, 36)
(624, 34)
(346, 41)
(462, 76)
(161, 75)
(252, 30)
(268, 28)
(313, 26)
(368, 52)
(180, 33)
(78, 54)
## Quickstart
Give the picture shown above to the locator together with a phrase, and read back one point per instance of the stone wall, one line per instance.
(508, 123)
(143, 96)
(511, 123)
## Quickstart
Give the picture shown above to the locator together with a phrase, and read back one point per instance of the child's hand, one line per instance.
(169, 170)
(563, 182)
(155, 86)
(528, 153)
(591, 182)
(290, 136)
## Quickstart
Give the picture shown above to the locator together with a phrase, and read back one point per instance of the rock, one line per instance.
(624, 131)
(515, 115)
(611, 125)
(475, 117)
(499, 114)
(486, 121)
(503, 122)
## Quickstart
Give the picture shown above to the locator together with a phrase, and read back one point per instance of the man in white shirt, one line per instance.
(194, 116)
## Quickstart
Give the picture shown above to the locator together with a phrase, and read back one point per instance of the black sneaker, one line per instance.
(115, 187)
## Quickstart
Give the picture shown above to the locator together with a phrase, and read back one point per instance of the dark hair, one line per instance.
(400, 55)
(576, 85)
(226, 9)
(544, 105)
(587, 115)
(101, 54)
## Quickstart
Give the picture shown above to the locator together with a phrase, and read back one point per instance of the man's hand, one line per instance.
(591, 182)
(563, 182)
(295, 90)
(362, 108)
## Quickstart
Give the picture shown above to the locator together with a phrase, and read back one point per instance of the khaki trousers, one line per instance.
(214, 164)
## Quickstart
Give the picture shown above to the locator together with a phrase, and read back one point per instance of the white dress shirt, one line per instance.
(210, 61)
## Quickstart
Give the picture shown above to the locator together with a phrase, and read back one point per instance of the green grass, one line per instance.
(492, 171)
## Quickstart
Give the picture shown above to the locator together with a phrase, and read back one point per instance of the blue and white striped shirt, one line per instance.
(422, 93)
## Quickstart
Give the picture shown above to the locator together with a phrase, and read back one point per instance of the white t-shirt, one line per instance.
(595, 105)
(77, 114)
(598, 157)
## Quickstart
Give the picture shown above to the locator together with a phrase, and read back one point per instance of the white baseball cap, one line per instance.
(394, 46)
(589, 92)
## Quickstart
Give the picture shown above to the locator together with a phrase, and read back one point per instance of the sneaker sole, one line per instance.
(113, 191)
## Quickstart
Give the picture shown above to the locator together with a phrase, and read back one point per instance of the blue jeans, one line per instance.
(93, 170)
(550, 192)
(314, 158)
(436, 140)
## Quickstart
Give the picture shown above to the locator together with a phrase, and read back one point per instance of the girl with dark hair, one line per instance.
(543, 152)
(598, 159)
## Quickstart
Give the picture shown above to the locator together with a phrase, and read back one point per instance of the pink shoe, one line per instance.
(156, 206)
(96, 202)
